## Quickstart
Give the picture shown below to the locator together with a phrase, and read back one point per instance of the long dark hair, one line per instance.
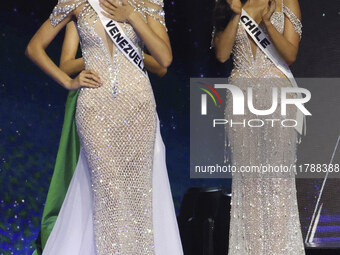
(222, 14)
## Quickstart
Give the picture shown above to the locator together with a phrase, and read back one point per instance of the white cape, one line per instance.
(73, 233)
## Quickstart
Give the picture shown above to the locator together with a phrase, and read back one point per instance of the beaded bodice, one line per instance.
(99, 52)
(248, 65)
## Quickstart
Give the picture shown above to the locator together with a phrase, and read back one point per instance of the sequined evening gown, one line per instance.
(119, 200)
(264, 212)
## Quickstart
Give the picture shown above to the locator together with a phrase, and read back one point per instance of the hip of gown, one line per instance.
(118, 136)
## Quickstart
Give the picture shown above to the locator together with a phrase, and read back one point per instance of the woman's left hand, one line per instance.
(117, 10)
(268, 12)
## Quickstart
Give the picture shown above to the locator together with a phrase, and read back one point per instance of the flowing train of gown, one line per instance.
(73, 230)
(119, 199)
(264, 213)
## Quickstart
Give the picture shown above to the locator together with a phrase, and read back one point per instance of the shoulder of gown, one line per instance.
(63, 9)
(293, 19)
(150, 8)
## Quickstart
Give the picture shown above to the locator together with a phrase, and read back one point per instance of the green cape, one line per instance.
(65, 165)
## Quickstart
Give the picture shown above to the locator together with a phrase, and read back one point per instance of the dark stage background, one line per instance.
(32, 105)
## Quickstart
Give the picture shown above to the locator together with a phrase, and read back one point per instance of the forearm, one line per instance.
(225, 41)
(38, 55)
(157, 47)
(72, 66)
(287, 50)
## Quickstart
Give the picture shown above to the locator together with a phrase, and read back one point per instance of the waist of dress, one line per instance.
(256, 71)
(272, 77)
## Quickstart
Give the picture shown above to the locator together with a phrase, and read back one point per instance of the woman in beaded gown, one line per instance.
(264, 212)
(119, 199)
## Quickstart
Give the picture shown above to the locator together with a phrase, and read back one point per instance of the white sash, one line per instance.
(264, 43)
(120, 39)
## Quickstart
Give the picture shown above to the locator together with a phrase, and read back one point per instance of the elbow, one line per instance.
(222, 58)
(291, 59)
(62, 66)
(29, 51)
(32, 50)
(163, 71)
(166, 61)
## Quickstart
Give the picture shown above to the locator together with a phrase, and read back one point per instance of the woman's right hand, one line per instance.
(235, 6)
(86, 78)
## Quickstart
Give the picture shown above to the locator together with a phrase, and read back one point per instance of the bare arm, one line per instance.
(68, 62)
(224, 41)
(36, 52)
(287, 44)
(153, 34)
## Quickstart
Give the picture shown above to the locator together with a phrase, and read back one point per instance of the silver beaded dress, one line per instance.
(119, 200)
(264, 212)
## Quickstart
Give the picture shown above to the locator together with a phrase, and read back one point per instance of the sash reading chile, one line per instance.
(255, 30)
